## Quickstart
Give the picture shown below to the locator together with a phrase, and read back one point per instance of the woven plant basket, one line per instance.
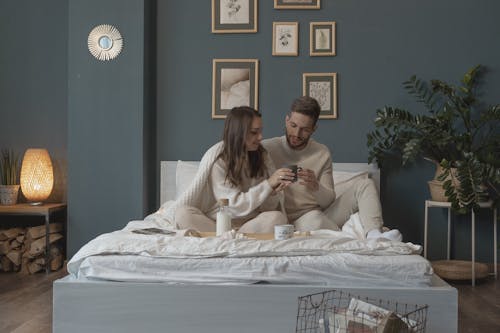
(459, 269)
(437, 191)
(8, 194)
(436, 186)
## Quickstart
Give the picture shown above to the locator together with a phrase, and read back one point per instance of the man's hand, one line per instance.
(308, 179)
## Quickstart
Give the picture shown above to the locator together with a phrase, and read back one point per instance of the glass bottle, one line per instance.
(223, 219)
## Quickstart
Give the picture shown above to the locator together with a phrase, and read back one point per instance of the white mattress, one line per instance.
(340, 269)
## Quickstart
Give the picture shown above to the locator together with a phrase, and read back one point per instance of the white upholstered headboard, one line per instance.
(168, 176)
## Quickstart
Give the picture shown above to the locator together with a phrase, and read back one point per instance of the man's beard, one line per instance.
(301, 145)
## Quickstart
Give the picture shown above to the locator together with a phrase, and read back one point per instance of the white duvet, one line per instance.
(327, 257)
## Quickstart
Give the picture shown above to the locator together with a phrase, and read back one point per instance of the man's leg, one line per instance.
(362, 197)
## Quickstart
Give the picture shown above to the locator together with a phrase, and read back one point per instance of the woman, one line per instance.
(242, 172)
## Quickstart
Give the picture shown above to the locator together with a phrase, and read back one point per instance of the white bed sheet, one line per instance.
(340, 269)
(325, 257)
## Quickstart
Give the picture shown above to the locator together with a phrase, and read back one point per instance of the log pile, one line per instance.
(23, 249)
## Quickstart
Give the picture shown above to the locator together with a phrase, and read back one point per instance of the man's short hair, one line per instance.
(307, 106)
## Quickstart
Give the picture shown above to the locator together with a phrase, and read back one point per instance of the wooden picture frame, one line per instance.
(285, 38)
(322, 87)
(234, 16)
(297, 4)
(234, 83)
(322, 39)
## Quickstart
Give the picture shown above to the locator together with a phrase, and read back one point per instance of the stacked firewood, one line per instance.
(23, 249)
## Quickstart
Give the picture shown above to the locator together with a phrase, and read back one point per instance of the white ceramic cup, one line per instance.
(283, 231)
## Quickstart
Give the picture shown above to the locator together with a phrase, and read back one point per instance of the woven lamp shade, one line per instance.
(37, 176)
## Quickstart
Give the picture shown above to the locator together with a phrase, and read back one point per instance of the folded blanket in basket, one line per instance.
(363, 317)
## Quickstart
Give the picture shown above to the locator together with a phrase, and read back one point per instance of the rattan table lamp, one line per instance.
(37, 176)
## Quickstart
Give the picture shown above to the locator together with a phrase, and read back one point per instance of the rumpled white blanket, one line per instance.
(350, 240)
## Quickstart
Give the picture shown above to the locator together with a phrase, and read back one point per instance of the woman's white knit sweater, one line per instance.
(208, 186)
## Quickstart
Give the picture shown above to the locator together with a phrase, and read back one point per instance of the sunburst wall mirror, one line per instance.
(105, 42)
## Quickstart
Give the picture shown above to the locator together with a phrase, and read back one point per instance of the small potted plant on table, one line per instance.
(9, 171)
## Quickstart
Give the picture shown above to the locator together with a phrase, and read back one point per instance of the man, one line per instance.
(311, 203)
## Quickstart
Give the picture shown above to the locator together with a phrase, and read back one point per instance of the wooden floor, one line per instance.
(26, 304)
(479, 306)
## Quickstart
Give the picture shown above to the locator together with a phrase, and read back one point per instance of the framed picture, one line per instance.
(234, 83)
(297, 4)
(285, 38)
(234, 16)
(322, 87)
(322, 39)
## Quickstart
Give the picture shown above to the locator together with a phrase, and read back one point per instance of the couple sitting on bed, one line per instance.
(242, 169)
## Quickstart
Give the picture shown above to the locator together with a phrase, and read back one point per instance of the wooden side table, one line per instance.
(45, 210)
(447, 205)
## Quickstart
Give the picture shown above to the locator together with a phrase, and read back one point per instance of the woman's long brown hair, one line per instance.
(234, 154)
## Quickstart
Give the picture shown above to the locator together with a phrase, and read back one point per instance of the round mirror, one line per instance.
(105, 42)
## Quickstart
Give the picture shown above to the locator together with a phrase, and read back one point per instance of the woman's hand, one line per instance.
(280, 179)
(280, 187)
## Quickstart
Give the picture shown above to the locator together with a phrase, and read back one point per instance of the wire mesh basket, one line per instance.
(335, 311)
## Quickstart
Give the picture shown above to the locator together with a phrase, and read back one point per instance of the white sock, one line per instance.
(375, 233)
(393, 234)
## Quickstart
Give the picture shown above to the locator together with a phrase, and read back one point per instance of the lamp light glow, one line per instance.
(37, 176)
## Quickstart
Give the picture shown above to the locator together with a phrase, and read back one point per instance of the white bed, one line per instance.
(207, 300)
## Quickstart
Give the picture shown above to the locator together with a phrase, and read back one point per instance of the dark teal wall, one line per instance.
(103, 124)
(379, 45)
(33, 81)
(109, 115)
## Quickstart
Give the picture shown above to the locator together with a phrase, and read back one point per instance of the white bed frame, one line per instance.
(107, 306)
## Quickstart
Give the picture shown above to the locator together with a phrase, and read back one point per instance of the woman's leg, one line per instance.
(264, 223)
(187, 217)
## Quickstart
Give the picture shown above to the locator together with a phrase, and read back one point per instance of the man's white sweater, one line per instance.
(316, 157)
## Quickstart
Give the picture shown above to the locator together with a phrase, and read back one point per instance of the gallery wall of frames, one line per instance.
(235, 81)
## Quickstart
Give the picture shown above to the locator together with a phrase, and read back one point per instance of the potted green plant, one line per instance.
(457, 132)
(9, 172)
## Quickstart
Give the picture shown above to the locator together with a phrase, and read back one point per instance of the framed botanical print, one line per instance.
(285, 38)
(297, 4)
(322, 87)
(234, 83)
(234, 16)
(322, 39)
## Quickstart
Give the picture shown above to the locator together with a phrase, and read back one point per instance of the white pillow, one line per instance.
(186, 171)
(184, 175)
(342, 180)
